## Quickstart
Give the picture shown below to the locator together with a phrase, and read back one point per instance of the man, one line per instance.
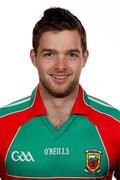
(59, 132)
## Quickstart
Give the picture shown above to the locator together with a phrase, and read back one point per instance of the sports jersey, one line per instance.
(86, 146)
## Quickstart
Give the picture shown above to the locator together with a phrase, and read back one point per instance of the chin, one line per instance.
(60, 91)
(59, 94)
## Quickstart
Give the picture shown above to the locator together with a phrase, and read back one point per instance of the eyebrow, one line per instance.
(74, 50)
(54, 50)
(46, 49)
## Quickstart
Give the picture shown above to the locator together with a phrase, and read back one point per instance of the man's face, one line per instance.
(59, 61)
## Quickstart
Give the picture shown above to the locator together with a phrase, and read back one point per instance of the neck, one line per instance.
(58, 109)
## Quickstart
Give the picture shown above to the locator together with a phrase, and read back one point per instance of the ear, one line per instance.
(85, 57)
(33, 57)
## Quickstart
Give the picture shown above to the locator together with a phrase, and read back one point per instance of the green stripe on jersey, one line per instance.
(102, 106)
(19, 101)
(19, 105)
(99, 101)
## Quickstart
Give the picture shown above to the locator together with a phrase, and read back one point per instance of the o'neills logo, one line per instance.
(56, 151)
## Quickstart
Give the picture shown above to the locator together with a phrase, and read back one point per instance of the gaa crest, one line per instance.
(93, 159)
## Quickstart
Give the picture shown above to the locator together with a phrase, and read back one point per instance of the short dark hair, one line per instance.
(58, 19)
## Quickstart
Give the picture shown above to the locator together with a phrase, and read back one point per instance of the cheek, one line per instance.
(43, 67)
(76, 68)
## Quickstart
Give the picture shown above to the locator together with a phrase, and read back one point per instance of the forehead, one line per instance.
(60, 39)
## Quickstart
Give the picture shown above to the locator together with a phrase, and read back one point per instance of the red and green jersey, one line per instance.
(86, 146)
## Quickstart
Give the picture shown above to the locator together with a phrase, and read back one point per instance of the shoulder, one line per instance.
(16, 106)
(102, 107)
(19, 105)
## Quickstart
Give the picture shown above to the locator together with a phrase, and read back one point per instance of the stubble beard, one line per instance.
(59, 91)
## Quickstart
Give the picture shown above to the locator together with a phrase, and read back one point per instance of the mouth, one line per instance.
(60, 79)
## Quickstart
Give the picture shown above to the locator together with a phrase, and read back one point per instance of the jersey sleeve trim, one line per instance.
(18, 106)
(101, 107)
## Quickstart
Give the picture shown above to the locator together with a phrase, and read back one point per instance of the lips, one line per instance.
(59, 79)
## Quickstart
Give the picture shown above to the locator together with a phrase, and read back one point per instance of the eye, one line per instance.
(48, 54)
(72, 55)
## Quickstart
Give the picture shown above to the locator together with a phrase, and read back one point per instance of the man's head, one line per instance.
(58, 19)
(59, 51)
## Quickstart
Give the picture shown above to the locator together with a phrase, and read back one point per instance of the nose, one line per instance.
(61, 63)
